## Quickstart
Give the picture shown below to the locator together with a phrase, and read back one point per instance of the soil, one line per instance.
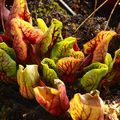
(12, 105)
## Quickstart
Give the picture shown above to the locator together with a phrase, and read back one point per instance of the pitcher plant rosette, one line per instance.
(43, 63)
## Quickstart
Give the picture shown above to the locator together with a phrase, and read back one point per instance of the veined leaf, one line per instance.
(88, 106)
(29, 33)
(28, 78)
(54, 100)
(19, 45)
(98, 46)
(57, 27)
(94, 74)
(62, 48)
(49, 70)
(67, 67)
(7, 64)
(68, 64)
(8, 50)
(90, 46)
(20, 10)
(76, 54)
(51, 37)
(24, 33)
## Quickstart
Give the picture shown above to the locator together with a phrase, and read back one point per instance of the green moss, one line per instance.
(41, 8)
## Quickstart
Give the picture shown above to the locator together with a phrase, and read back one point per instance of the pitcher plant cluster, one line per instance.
(42, 63)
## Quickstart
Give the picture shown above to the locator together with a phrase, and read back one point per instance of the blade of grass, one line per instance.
(91, 15)
(111, 14)
(95, 6)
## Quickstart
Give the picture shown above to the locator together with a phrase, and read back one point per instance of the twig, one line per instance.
(95, 6)
(36, 15)
(67, 7)
(96, 1)
(111, 14)
(91, 15)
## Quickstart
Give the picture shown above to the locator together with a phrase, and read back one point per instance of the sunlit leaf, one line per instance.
(42, 25)
(54, 100)
(98, 46)
(20, 10)
(7, 64)
(67, 67)
(19, 45)
(62, 48)
(8, 50)
(24, 33)
(94, 74)
(28, 78)
(108, 61)
(68, 64)
(76, 54)
(29, 33)
(88, 106)
(50, 38)
(49, 70)
(90, 46)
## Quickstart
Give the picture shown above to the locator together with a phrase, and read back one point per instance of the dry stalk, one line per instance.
(91, 15)
(111, 14)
